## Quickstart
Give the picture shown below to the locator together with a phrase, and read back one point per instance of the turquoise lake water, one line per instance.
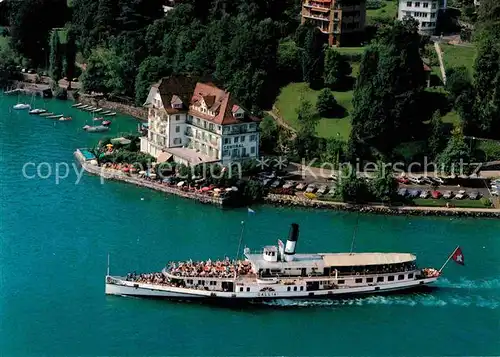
(54, 241)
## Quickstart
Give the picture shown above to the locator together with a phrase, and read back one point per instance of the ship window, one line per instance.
(248, 289)
(358, 280)
(369, 280)
(401, 277)
(380, 279)
(199, 282)
(340, 281)
(410, 276)
(241, 289)
(294, 288)
(288, 289)
(390, 278)
(301, 288)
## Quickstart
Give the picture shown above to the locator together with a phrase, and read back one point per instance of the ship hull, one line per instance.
(124, 288)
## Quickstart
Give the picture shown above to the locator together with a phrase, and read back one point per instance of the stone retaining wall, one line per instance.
(295, 201)
(140, 113)
(110, 174)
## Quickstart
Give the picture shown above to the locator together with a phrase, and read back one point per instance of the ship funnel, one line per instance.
(291, 242)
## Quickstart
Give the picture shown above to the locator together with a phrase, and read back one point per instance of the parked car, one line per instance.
(333, 177)
(289, 184)
(447, 194)
(301, 186)
(323, 189)
(404, 180)
(267, 182)
(311, 188)
(427, 180)
(402, 192)
(332, 191)
(414, 193)
(276, 183)
(416, 180)
(438, 180)
(425, 194)
(436, 194)
(460, 195)
(495, 193)
(474, 195)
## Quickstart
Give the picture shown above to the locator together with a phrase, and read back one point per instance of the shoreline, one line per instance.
(114, 175)
(294, 201)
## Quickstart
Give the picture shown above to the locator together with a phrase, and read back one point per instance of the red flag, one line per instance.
(458, 257)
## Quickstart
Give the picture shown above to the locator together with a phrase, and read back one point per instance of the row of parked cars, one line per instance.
(459, 195)
(422, 180)
(495, 187)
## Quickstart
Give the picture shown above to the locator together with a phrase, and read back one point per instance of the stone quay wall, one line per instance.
(115, 175)
(139, 113)
(295, 201)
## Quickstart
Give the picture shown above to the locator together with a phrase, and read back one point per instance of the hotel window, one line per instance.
(225, 152)
(433, 5)
(227, 141)
(204, 124)
(340, 282)
(252, 150)
(177, 129)
(410, 276)
(177, 141)
(177, 117)
(425, 4)
(241, 289)
(252, 137)
(301, 288)
(380, 279)
(218, 127)
(236, 139)
(197, 121)
(242, 139)
(408, 4)
(294, 288)
(369, 280)
(190, 119)
(358, 280)
(417, 4)
(244, 152)
(288, 289)
(390, 278)
(248, 289)
(401, 277)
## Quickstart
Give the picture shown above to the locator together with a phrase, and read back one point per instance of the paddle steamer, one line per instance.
(278, 273)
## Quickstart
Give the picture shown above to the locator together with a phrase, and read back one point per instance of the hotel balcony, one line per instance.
(316, 17)
(317, 6)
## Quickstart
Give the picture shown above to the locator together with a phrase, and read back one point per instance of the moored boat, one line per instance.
(98, 119)
(47, 114)
(279, 273)
(65, 119)
(77, 105)
(95, 129)
(112, 114)
(37, 111)
(21, 106)
(56, 116)
(106, 122)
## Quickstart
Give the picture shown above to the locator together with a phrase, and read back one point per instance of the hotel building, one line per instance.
(425, 11)
(341, 20)
(193, 122)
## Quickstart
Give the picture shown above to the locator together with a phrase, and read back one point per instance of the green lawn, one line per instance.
(289, 99)
(351, 50)
(442, 203)
(4, 42)
(455, 56)
(389, 10)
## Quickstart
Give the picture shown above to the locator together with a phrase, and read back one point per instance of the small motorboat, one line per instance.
(106, 112)
(98, 119)
(57, 116)
(84, 106)
(65, 119)
(21, 106)
(95, 129)
(106, 122)
(37, 111)
(77, 105)
(98, 110)
(112, 114)
(46, 114)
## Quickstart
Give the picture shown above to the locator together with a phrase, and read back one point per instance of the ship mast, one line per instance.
(241, 239)
(354, 234)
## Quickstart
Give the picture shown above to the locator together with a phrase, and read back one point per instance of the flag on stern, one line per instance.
(250, 211)
(458, 257)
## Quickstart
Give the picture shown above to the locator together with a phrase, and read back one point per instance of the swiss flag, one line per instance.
(458, 257)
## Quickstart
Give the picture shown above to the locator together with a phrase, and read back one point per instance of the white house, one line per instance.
(425, 11)
(195, 122)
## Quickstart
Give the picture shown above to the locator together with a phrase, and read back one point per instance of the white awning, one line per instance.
(361, 259)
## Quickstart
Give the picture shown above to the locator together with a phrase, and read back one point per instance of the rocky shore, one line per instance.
(295, 201)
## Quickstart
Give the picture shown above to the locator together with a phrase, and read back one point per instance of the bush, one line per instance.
(485, 201)
(373, 4)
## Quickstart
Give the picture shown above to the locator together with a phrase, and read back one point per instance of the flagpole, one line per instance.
(447, 260)
(107, 273)
(241, 239)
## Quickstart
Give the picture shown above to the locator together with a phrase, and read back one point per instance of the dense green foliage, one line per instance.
(56, 59)
(455, 154)
(326, 104)
(337, 69)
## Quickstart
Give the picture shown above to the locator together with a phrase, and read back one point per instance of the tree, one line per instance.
(288, 62)
(70, 56)
(150, 71)
(351, 188)
(56, 58)
(306, 117)
(101, 73)
(268, 134)
(455, 154)
(435, 141)
(337, 69)
(384, 184)
(312, 54)
(457, 81)
(326, 104)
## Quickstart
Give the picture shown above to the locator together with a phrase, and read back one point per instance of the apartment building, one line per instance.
(342, 20)
(193, 122)
(425, 11)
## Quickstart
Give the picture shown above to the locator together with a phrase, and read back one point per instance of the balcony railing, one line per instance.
(316, 17)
